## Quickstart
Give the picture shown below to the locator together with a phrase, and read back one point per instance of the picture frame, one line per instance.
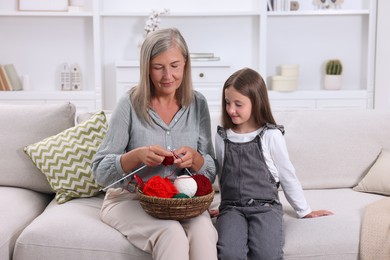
(43, 5)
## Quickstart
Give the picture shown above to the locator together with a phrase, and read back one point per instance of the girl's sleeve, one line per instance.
(106, 164)
(289, 181)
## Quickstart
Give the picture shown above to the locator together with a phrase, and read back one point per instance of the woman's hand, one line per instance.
(153, 155)
(318, 213)
(188, 158)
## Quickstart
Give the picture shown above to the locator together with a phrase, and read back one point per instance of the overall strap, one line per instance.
(222, 132)
(271, 126)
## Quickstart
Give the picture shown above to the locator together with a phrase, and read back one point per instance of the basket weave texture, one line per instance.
(175, 208)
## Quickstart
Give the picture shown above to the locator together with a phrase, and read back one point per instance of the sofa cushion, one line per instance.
(18, 208)
(73, 230)
(334, 149)
(22, 125)
(66, 158)
(331, 237)
(377, 179)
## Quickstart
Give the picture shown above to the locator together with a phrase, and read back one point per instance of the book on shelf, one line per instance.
(199, 56)
(5, 79)
(13, 77)
(2, 86)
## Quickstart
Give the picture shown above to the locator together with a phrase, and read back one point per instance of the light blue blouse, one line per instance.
(190, 127)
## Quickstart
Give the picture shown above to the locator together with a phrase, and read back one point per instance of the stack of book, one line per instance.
(9, 78)
(203, 57)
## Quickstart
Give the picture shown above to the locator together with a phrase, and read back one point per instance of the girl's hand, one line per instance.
(213, 212)
(318, 213)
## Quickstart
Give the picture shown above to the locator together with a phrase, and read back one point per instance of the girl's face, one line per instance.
(239, 108)
(166, 71)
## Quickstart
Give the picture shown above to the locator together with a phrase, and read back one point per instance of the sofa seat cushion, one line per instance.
(331, 237)
(18, 208)
(22, 125)
(73, 230)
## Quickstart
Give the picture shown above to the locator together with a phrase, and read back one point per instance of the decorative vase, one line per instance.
(332, 82)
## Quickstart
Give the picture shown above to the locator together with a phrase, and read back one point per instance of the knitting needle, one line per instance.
(121, 179)
(178, 157)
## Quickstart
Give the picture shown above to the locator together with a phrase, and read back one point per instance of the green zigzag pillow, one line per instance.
(66, 158)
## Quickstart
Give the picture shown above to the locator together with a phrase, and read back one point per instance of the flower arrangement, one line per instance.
(153, 22)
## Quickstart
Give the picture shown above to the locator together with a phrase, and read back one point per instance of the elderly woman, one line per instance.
(160, 115)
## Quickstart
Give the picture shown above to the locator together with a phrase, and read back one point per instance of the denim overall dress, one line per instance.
(250, 222)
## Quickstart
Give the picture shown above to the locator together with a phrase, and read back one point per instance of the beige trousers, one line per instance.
(192, 239)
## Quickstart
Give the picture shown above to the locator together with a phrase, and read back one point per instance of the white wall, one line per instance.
(382, 72)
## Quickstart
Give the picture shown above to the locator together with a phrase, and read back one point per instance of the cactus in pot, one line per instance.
(333, 71)
(333, 67)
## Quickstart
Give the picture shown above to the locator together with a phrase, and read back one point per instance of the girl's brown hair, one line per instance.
(250, 84)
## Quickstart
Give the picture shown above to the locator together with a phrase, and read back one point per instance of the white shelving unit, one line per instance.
(38, 43)
(105, 37)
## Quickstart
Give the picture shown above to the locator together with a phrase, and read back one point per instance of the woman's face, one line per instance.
(166, 71)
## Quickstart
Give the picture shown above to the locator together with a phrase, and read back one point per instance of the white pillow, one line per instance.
(377, 179)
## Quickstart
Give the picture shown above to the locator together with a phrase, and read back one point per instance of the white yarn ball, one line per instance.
(186, 184)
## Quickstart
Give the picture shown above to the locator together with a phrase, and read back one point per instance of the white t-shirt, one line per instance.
(278, 162)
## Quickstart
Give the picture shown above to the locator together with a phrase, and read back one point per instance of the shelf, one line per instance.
(46, 14)
(133, 63)
(45, 95)
(179, 14)
(318, 13)
(319, 94)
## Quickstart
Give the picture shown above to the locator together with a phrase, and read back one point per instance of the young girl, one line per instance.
(253, 160)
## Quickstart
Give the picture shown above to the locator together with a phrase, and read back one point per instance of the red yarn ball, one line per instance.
(159, 187)
(204, 185)
(168, 160)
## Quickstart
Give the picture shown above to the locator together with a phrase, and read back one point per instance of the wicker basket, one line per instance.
(175, 208)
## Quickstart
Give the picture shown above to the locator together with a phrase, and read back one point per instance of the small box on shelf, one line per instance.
(288, 78)
(284, 83)
(43, 5)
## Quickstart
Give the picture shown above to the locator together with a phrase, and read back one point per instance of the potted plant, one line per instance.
(333, 71)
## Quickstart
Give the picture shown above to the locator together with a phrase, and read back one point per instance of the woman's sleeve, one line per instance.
(106, 164)
(205, 144)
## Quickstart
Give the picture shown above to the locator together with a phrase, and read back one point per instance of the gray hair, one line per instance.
(155, 43)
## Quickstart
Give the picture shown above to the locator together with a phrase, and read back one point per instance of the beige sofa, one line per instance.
(331, 150)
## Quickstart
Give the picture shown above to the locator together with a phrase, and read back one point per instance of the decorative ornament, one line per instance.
(153, 22)
(159, 187)
(203, 183)
(186, 184)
